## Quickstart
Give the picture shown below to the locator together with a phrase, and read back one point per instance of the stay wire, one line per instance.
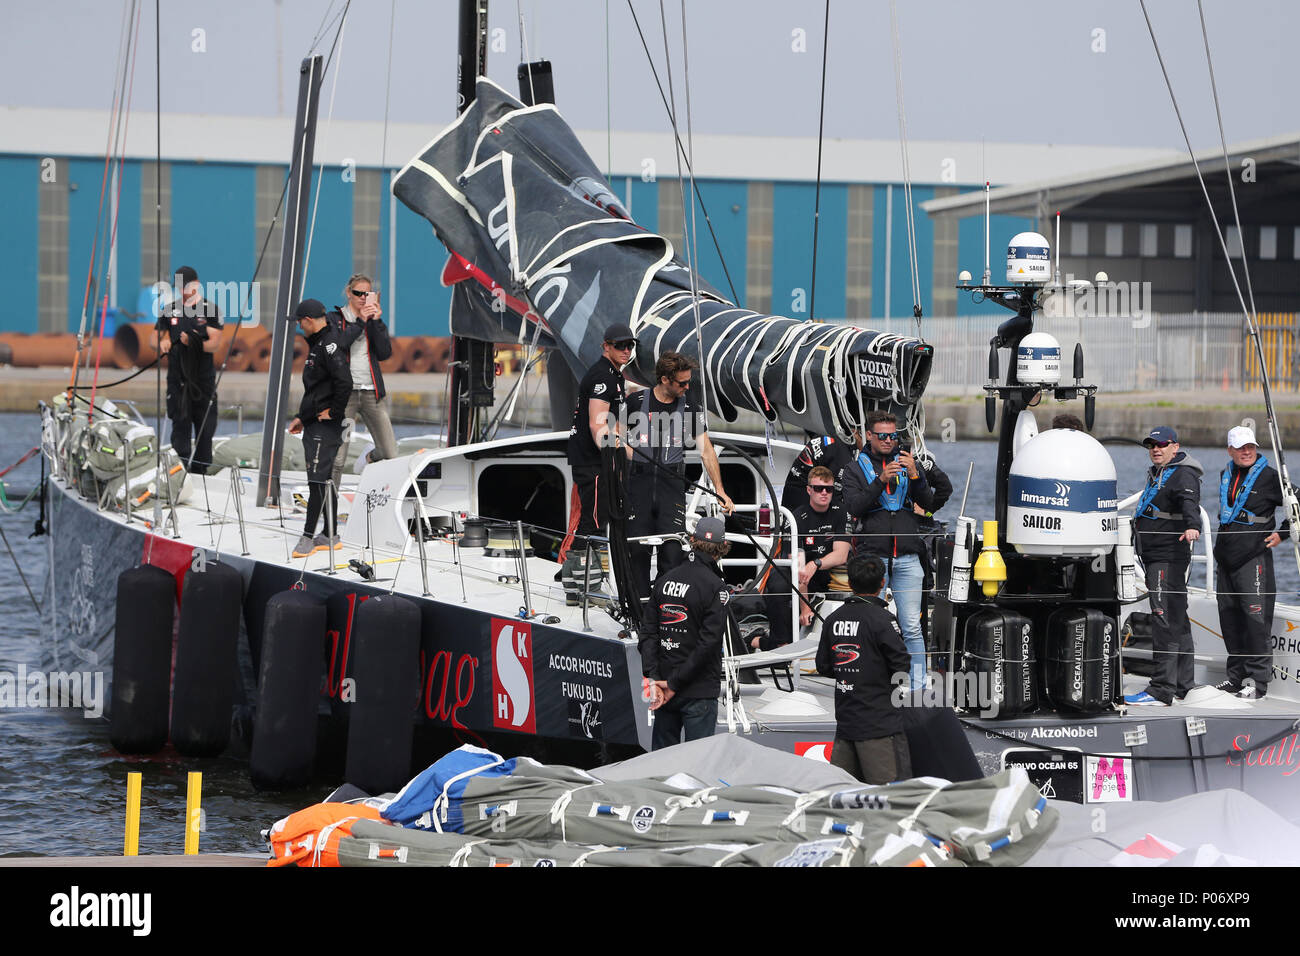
(817, 193)
(692, 263)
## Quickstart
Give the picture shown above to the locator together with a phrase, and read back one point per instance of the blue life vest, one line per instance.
(889, 501)
(1228, 514)
(1149, 495)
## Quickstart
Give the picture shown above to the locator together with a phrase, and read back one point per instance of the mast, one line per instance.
(290, 280)
(466, 354)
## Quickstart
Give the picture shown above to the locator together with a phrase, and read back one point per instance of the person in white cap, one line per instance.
(1249, 491)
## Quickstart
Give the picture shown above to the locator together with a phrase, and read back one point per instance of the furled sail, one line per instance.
(542, 250)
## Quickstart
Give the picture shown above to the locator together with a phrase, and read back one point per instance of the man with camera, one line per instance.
(185, 337)
(361, 328)
(880, 490)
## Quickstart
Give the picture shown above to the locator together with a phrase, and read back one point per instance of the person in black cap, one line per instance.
(1249, 491)
(185, 337)
(681, 640)
(592, 440)
(862, 649)
(1166, 521)
(327, 385)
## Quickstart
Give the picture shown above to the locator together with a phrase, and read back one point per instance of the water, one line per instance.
(63, 788)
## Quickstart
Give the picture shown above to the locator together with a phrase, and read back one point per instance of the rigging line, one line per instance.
(320, 166)
(523, 50)
(817, 194)
(119, 87)
(1227, 166)
(907, 169)
(388, 86)
(708, 221)
(1218, 232)
(323, 27)
(158, 253)
(609, 104)
(693, 246)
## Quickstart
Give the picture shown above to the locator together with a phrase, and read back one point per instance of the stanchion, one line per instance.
(193, 814)
(132, 846)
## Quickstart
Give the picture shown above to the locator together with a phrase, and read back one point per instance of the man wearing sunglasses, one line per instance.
(362, 330)
(879, 493)
(1249, 491)
(824, 538)
(593, 438)
(1166, 521)
(662, 422)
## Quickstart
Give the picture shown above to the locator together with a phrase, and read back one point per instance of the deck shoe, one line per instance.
(1227, 686)
(323, 543)
(1252, 692)
(1144, 700)
(305, 546)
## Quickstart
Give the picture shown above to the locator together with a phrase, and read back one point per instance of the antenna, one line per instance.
(1058, 247)
(988, 274)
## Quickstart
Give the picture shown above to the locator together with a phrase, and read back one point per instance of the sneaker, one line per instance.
(305, 546)
(1227, 686)
(1251, 692)
(323, 543)
(1143, 700)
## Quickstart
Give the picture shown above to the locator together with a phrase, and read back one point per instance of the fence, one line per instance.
(1175, 351)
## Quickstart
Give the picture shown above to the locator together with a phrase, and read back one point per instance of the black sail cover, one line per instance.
(542, 251)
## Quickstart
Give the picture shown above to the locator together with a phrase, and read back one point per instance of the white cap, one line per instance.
(1240, 437)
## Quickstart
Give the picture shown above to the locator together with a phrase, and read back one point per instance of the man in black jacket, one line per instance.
(825, 451)
(681, 640)
(1166, 521)
(1249, 490)
(362, 330)
(880, 490)
(185, 337)
(327, 385)
(862, 649)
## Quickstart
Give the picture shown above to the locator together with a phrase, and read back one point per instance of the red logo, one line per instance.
(845, 653)
(671, 613)
(512, 676)
(814, 749)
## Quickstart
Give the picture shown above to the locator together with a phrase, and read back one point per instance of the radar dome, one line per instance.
(1062, 497)
(1029, 259)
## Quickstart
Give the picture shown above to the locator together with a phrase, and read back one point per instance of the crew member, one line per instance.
(1249, 490)
(682, 637)
(361, 324)
(662, 423)
(862, 649)
(1166, 522)
(825, 451)
(191, 375)
(1066, 420)
(879, 493)
(592, 439)
(327, 385)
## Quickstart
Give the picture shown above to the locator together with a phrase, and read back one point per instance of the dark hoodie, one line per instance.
(1175, 509)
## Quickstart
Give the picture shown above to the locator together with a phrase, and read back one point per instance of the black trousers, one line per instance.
(697, 716)
(1171, 632)
(658, 506)
(1246, 596)
(320, 443)
(879, 761)
(193, 412)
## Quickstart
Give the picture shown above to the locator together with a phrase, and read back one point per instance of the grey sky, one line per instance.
(1012, 71)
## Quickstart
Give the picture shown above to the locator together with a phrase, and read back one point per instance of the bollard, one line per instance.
(132, 846)
(193, 815)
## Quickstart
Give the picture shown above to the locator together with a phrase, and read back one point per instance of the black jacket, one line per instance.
(862, 649)
(884, 532)
(191, 365)
(681, 641)
(827, 451)
(380, 346)
(603, 382)
(1175, 508)
(1239, 542)
(326, 378)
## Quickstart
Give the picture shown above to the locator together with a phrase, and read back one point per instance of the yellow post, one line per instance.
(132, 846)
(193, 814)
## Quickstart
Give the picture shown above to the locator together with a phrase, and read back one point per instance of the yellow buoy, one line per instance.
(990, 570)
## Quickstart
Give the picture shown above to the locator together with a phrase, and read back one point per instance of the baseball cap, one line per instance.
(1160, 434)
(1241, 436)
(618, 332)
(309, 309)
(710, 529)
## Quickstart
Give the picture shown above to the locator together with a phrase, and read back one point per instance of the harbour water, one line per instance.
(63, 788)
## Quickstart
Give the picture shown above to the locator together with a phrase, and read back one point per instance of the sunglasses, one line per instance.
(682, 384)
(821, 489)
(1160, 444)
(885, 436)
(623, 344)
(360, 295)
